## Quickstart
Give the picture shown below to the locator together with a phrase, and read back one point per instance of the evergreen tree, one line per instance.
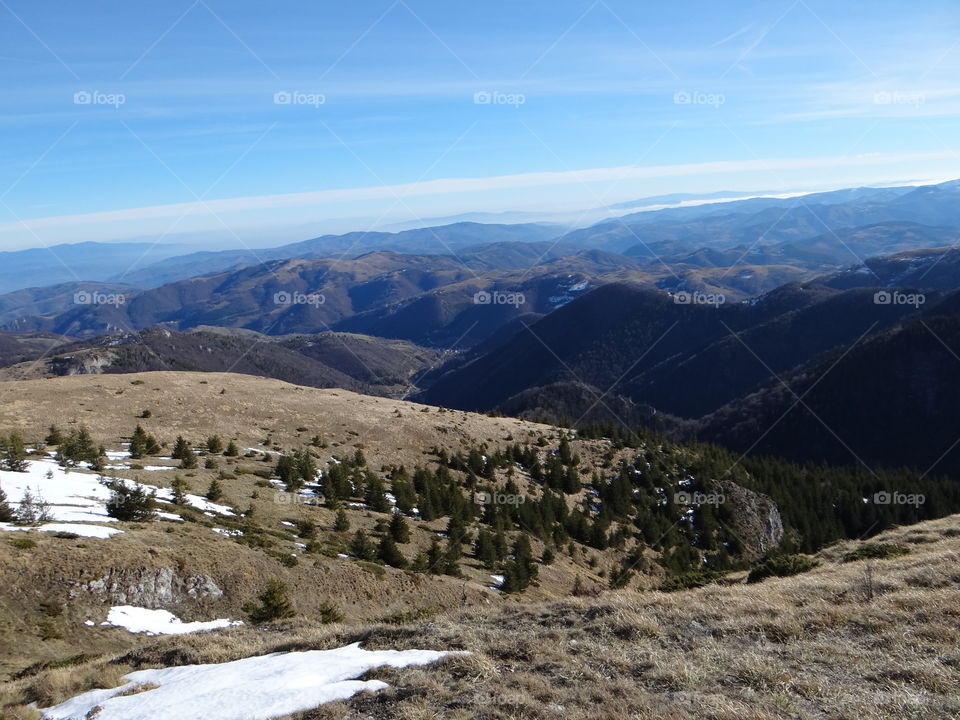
(32, 509)
(306, 466)
(138, 443)
(214, 491)
(286, 470)
(179, 490)
(153, 447)
(232, 449)
(274, 604)
(130, 503)
(14, 456)
(78, 447)
(484, 549)
(361, 547)
(54, 436)
(214, 444)
(188, 461)
(389, 553)
(6, 512)
(342, 523)
(179, 448)
(435, 558)
(399, 530)
(521, 570)
(376, 496)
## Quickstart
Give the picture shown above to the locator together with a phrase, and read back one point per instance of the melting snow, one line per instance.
(83, 530)
(159, 622)
(255, 688)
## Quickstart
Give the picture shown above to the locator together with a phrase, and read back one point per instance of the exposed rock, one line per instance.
(756, 518)
(149, 587)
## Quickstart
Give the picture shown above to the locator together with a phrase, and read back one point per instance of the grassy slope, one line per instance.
(864, 640)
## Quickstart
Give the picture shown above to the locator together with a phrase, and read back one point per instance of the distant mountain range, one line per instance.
(705, 320)
(875, 345)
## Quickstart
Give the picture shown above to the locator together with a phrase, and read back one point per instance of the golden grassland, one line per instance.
(859, 640)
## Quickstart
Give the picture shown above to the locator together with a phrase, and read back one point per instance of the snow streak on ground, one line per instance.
(255, 688)
(81, 529)
(159, 622)
(76, 496)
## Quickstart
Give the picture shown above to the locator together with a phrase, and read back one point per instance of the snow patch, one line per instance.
(159, 622)
(255, 688)
(90, 531)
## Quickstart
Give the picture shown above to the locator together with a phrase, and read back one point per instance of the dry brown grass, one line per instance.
(812, 646)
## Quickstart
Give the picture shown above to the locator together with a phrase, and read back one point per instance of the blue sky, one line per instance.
(221, 122)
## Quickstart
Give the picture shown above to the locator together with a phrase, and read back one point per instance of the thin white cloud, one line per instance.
(447, 186)
(735, 34)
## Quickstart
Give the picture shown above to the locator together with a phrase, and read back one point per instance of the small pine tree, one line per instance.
(399, 530)
(138, 443)
(232, 449)
(214, 491)
(286, 470)
(214, 444)
(329, 613)
(389, 553)
(179, 490)
(14, 456)
(179, 448)
(130, 503)
(484, 549)
(342, 523)
(361, 547)
(436, 558)
(306, 466)
(6, 512)
(153, 447)
(376, 496)
(32, 510)
(273, 605)
(521, 570)
(54, 436)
